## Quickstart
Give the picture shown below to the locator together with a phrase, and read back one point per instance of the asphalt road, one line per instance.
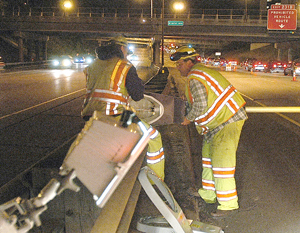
(267, 161)
(40, 116)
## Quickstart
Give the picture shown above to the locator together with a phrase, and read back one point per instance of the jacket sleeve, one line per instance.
(134, 85)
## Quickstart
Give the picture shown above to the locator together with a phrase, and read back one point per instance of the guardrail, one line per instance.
(136, 13)
(25, 64)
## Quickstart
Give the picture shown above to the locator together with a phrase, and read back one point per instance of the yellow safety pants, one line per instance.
(219, 162)
(155, 154)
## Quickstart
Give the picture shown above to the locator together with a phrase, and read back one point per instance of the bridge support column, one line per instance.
(279, 54)
(21, 49)
(45, 49)
(156, 50)
(290, 54)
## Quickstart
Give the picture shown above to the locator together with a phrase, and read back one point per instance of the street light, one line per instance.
(66, 5)
(178, 6)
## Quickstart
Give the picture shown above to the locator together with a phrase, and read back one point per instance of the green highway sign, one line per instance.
(175, 23)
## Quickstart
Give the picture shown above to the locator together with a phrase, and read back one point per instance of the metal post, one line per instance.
(151, 9)
(162, 33)
(246, 10)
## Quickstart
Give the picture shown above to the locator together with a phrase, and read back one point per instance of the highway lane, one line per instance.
(268, 90)
(40, 112)
(24, 89)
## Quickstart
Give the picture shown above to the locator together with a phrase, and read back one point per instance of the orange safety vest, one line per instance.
(223, 99)
(106, 91)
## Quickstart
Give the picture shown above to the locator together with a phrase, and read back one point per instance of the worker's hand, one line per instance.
(185, 121)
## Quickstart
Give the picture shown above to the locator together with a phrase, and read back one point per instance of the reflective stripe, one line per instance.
(205, 129)
(206, 162)
(224, 172)
(217, 106)
(111, 109)
(117, 78)
(226, 195)
(208, 185)
(155, 157)
(113, 97)
(109, 96)
(224, 97)
(153, 133)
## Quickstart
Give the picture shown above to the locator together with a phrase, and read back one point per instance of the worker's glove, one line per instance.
(128, 117)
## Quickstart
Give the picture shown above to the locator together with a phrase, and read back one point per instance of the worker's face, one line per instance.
(184, 67)
(124, 50)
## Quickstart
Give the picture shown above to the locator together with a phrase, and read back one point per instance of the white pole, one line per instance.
(273, 109)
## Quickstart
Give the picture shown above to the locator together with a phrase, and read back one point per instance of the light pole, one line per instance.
(246, 10)
(162, 34)
(151, 9)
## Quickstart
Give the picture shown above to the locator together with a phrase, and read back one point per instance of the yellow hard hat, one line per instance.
(183, 53)
(120, 40)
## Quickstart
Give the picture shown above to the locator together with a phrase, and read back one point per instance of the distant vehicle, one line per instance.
(223, 62)
(2, 64)
(231, 65)
(89, 59)
(275, 67)
(248, 64)
(79, 59)
(233, 62)
(258, 66)
(292, 67)
(288, 70)
(216, 62)
(64, 61)
(199, 59)
(209, 60)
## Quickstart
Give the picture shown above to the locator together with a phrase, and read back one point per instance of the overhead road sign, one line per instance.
(282, 17)
(175, 23)
(283, 7)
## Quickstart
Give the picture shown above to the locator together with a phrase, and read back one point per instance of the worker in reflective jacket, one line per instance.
(111, 80)
(216, 108)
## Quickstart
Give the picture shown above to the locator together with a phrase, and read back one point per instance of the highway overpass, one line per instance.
(210, 28)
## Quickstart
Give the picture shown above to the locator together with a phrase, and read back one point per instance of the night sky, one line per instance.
(196, 4)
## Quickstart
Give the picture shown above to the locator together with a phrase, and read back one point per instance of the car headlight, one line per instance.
(88, 60)
(66, 62)
(55, 62)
